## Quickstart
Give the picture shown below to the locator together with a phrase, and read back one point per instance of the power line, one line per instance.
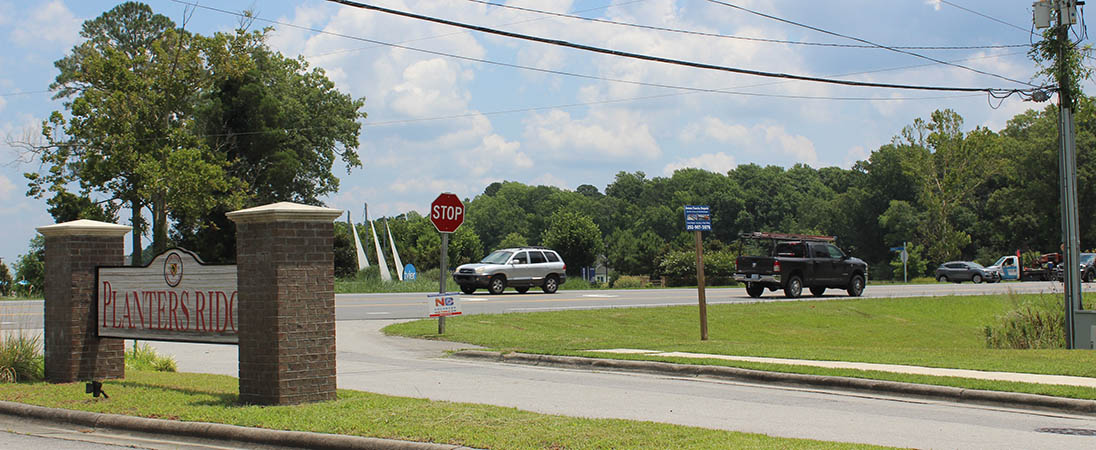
(893, 49)
(1025, 30)
(743, 38)
(12, 94)
(454, 33)
(992, 91)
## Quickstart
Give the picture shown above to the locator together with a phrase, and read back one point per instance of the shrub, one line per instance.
(144, 357)
(21, 358)
(630, 282)
(1030, 324)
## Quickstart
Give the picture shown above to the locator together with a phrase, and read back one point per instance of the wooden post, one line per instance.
(700, 288)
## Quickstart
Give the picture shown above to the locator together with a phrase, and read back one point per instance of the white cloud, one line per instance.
(550, 180)
(6, 188)
(50, 23)
(429, 88)
(758, 139)
(935, 4)
(608, 133)
(713, 162)
(494, 151)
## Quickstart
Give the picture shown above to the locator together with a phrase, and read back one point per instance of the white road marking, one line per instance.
(600, 295)
(473, 299)
(378, 313)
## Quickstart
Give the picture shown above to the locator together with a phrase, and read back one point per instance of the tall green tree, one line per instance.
(577, 239)
(130, 90)
(31, 267)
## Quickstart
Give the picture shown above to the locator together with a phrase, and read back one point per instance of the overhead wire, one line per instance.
(832, 33)
(668, 60)
(946, 2)
(743, 38)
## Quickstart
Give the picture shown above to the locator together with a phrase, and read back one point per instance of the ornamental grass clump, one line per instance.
(1034, 323)
(144, 357)
(21, 358)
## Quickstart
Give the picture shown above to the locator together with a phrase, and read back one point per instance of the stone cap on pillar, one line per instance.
(285, 212)
(84, 227)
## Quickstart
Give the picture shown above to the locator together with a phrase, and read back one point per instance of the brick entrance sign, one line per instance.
(286, 275)
(73, 350)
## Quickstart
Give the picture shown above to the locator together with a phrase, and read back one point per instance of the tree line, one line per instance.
(950, 193)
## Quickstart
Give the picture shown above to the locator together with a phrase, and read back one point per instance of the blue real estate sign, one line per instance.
(698, 218)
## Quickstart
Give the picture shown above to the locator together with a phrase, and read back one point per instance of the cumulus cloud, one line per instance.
(608, 133)
(713, 162)
(935, 4)
(50, 23)
(755, 139)
(429, 88)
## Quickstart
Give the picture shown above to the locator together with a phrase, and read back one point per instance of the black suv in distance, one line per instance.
(520, 268)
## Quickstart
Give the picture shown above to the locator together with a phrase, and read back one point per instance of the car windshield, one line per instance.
(1001, 262)
(497, 257)
(1086, 258)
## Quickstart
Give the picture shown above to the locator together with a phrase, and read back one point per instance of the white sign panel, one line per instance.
(174, 298)
(442, 305)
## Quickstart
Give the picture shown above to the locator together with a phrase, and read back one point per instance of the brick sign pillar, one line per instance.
(286, 303)
(73, 352)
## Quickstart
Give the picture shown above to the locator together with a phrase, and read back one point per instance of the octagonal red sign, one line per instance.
(447, 212)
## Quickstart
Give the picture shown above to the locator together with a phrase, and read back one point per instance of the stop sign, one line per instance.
(447, 212)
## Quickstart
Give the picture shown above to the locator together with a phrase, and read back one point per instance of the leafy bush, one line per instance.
(21, 358)
(1030, 324)
(680, 267)
(144, 357)
(630, 282)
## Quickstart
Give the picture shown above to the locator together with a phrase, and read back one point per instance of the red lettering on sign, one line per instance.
(160, 308)
(439, 302)
(200, 306)
(186, 312)
(129, 316)
(231, 307)
(221, 298)
(105, 295)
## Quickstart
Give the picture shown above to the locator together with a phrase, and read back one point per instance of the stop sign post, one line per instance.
(447, 214)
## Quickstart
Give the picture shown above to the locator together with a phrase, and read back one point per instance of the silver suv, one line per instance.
(520, 268)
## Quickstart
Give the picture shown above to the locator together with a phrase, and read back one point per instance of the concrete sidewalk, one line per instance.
(893, 368)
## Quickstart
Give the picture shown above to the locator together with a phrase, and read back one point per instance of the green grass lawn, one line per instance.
(213, 398)
(934, 331)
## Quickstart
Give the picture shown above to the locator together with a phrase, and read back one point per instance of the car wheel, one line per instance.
(794, 288)
(467, 288)
(1089, 276)
(497, 285)
(942, 278)
(522, 290)
(856, 286)
(551, 285)
(976, 278)
(754, 289)
(817, 291)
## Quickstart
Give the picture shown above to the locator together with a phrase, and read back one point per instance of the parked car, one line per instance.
(960, 271)
(520, 268)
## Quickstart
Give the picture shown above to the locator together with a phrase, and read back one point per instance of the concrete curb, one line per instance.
(215, 431)
(925, 391)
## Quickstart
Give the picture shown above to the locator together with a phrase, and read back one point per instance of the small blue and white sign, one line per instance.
(698, 218)
(409, 272)
(442, 305)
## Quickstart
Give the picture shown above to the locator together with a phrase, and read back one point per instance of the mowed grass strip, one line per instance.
(945, 332)
(213, 398)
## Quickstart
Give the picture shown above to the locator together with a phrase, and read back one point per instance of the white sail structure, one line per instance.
(381, 264)
(363, 262)
(395, 254)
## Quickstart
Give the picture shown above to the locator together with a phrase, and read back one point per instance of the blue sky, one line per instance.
(439, 123)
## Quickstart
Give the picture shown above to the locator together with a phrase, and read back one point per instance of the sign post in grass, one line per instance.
(697, 219)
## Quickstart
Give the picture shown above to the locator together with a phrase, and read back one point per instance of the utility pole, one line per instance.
(1067, 157)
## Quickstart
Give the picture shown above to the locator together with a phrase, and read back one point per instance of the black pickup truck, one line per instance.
(793, 261)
